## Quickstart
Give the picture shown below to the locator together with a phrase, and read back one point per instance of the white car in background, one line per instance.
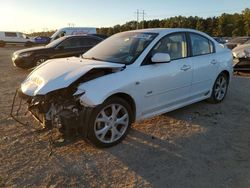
(65, 31)
(128, 77)
(7, 37)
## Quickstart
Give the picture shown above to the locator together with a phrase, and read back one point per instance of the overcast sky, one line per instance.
(38, 15)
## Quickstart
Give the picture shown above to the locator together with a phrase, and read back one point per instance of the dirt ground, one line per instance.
(202, 145)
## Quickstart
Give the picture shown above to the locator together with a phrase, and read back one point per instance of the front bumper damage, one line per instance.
(20, 109)
(67, 122)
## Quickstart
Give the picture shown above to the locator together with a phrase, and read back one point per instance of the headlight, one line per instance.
(25, 54)
(31, 85)
(14, 56)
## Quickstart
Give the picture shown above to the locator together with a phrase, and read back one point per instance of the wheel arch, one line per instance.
(226, 72)
(128, 99)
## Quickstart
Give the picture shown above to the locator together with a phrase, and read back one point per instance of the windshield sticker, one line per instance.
(143, 36)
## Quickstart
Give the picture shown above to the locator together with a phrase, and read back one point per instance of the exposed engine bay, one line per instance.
(62, 108)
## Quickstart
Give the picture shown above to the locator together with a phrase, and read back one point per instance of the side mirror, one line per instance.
(161, 58)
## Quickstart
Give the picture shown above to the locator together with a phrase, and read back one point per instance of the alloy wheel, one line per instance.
(40, 61)
(220, 88)
(111, 123)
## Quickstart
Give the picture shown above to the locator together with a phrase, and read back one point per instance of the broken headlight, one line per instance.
(31, 85)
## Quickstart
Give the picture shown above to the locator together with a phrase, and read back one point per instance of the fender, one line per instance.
(106, 86)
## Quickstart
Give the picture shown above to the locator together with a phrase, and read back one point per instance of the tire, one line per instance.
(104, 129)
(219, 89)
(2, 43)
(39, 60)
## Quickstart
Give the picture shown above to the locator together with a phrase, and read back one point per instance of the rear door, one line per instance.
(67, 48)
(204, 63)
(75, 46)
(87, 43)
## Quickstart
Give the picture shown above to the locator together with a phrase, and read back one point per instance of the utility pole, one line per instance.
(137, 24)
(70, 24)
(138, 13)
(143, 13)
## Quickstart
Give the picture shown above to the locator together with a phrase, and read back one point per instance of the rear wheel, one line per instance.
(219, 89)
(110, 122)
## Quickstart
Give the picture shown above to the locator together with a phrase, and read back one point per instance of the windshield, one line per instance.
(55, 42)
(121, 48)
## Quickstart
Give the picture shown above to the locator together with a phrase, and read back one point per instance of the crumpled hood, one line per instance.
(60, 73)
(241, 51)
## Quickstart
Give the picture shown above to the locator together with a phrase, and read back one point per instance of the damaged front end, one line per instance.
(58, 109)
(55, 99)
(241, 56)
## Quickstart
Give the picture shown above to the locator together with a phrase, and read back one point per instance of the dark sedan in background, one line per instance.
(63, 47)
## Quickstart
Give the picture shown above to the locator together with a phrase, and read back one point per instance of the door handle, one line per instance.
(185, 67)
(213, 62)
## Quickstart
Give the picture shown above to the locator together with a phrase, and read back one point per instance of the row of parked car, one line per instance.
(67, 46)
(7, 37)
(240, 47)
(75, 45)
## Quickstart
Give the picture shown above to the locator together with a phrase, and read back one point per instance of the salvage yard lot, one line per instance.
(202, 145)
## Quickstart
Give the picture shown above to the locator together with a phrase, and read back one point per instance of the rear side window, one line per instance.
(87, 41)
(200, 45)
(10, 34)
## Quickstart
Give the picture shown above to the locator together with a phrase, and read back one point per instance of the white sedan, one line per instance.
(128, 77)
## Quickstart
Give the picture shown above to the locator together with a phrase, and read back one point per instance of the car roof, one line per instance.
(85, 35)
(165, 30)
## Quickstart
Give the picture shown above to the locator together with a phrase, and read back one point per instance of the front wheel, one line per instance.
(110, 122)
(219, 89)
(40, 60)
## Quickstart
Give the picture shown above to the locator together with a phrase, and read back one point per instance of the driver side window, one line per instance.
(175, 45)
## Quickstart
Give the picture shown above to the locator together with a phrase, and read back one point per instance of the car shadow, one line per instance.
(199, 149)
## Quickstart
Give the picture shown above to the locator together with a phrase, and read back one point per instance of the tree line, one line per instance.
(225, 25)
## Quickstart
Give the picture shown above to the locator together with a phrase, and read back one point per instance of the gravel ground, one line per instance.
(202, 145)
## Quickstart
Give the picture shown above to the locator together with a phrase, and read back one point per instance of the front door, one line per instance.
(166, 85)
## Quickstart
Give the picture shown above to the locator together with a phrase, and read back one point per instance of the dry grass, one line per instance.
(202, 145)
